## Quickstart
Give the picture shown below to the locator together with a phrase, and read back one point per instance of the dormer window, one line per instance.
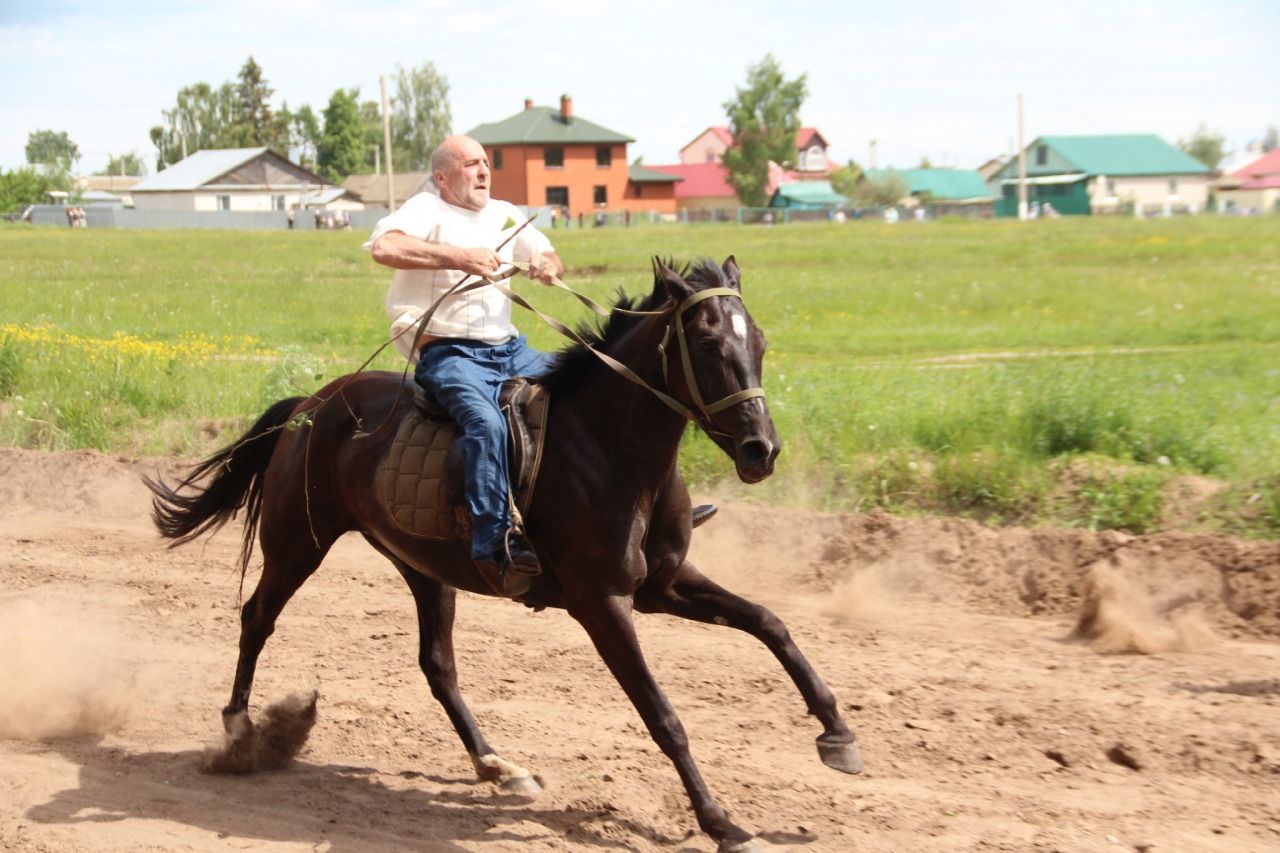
(813, 159)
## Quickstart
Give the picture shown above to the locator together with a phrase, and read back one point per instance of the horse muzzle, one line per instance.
(754, 457)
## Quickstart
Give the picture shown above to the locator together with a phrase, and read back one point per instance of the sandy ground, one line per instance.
(983, 725)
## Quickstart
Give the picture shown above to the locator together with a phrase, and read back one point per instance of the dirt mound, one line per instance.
(867, 561)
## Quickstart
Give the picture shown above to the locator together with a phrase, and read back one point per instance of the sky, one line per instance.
(924, 79)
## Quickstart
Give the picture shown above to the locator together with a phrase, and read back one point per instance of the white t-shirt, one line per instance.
(483, 314)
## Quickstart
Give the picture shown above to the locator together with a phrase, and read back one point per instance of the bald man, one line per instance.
(470, 346)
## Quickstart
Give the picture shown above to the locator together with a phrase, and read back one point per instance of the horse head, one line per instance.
(712, 356)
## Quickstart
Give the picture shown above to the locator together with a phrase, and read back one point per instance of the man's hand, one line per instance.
(482, 262)
(545, 267)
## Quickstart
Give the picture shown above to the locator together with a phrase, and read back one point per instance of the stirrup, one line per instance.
(702, 514)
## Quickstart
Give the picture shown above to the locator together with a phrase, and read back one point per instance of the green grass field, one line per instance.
(1068, 371)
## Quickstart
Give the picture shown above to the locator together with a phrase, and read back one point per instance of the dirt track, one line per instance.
(982, 727)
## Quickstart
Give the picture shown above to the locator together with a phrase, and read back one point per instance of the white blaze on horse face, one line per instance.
(739, 326)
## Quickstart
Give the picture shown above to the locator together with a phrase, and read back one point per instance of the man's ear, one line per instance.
(731, 272)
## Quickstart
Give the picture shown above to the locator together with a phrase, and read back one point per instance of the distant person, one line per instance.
(580, 225)
(291, 214)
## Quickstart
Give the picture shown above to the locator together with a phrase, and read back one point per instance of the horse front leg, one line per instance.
(436, 606)
(692, 595)
(608, 622)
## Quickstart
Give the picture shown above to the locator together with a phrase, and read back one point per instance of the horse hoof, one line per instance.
(841, 756)
(748, 846)
(521, 786)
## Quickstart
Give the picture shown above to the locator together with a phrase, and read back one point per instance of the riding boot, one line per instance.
(511, 571)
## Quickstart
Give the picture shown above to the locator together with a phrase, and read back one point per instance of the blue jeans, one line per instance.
(466, 377)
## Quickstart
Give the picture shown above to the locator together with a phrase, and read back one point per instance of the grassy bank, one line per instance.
(1073, 371)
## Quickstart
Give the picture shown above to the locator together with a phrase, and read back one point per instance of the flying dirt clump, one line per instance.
(249, 748)
(1117, 618)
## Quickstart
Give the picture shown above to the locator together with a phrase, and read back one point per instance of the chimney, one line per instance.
(528, 103)
(566, 107)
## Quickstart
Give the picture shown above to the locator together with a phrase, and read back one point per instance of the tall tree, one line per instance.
(257, 124)
(370, 134)
(340, 152)
(763, 117)
(305, 133)
(420, 115)
(204, 117)
(125, 164)
(53, 150)
(1204, 145)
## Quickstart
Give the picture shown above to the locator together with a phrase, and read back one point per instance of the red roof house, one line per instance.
(1254, 188)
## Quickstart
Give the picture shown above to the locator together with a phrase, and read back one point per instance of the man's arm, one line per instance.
(399, 251)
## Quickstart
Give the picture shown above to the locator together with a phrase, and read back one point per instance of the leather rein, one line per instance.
(705, 411)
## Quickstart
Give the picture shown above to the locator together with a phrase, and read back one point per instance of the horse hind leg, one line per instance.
(285, 726)
(436, 606)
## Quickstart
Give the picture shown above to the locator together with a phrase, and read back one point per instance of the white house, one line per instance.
(242, 179)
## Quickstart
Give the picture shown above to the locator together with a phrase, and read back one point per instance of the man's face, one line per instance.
(465, 181)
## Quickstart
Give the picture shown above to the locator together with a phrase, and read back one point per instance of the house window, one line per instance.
(277, 202)
(224, 202)
(553, 157)
(1042, 155)
(639, 188)
(1173, 186)
(558, 196)
(604, 156)
(711, 156)
(497, 159)
(600, 195)
(1111, 186)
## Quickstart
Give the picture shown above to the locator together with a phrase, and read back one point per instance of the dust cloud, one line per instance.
(1117, 617)
(61, 673)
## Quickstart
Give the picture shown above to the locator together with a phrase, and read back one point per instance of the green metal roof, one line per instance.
(942, 184)
(811, 194)
(1121, 154)
(641, 175)
(543, 125)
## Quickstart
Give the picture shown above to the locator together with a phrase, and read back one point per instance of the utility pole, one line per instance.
(871, 155)
(1022, 166)
(386, 142)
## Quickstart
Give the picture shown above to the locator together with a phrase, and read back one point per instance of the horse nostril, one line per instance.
(757, 450)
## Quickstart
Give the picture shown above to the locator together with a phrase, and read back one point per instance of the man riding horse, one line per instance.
(469, 347)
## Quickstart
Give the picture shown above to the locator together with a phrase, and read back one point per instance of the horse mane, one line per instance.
(570, 364)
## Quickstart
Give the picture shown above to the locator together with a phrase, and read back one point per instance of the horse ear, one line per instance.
(668, 281)
(731, 272)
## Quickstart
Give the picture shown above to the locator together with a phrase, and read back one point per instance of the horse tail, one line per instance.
(237, 472)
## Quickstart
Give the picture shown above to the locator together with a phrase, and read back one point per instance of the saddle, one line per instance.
(420, 479)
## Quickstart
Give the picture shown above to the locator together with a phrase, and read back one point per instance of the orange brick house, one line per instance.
(544, 156)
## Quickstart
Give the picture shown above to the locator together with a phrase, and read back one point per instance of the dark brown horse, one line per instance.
(611, 522)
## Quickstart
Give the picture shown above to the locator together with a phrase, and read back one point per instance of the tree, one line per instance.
(1270, 140)
(340, 151)
(53, 150)
(420, 116)
(925, 163)
(763, 118)
(256, 123)
(203, 117)
(371, 135)
(844, 179)
(28, 186)
(305, 133)
(125, 164)
(1205, 146)
(882, 190)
